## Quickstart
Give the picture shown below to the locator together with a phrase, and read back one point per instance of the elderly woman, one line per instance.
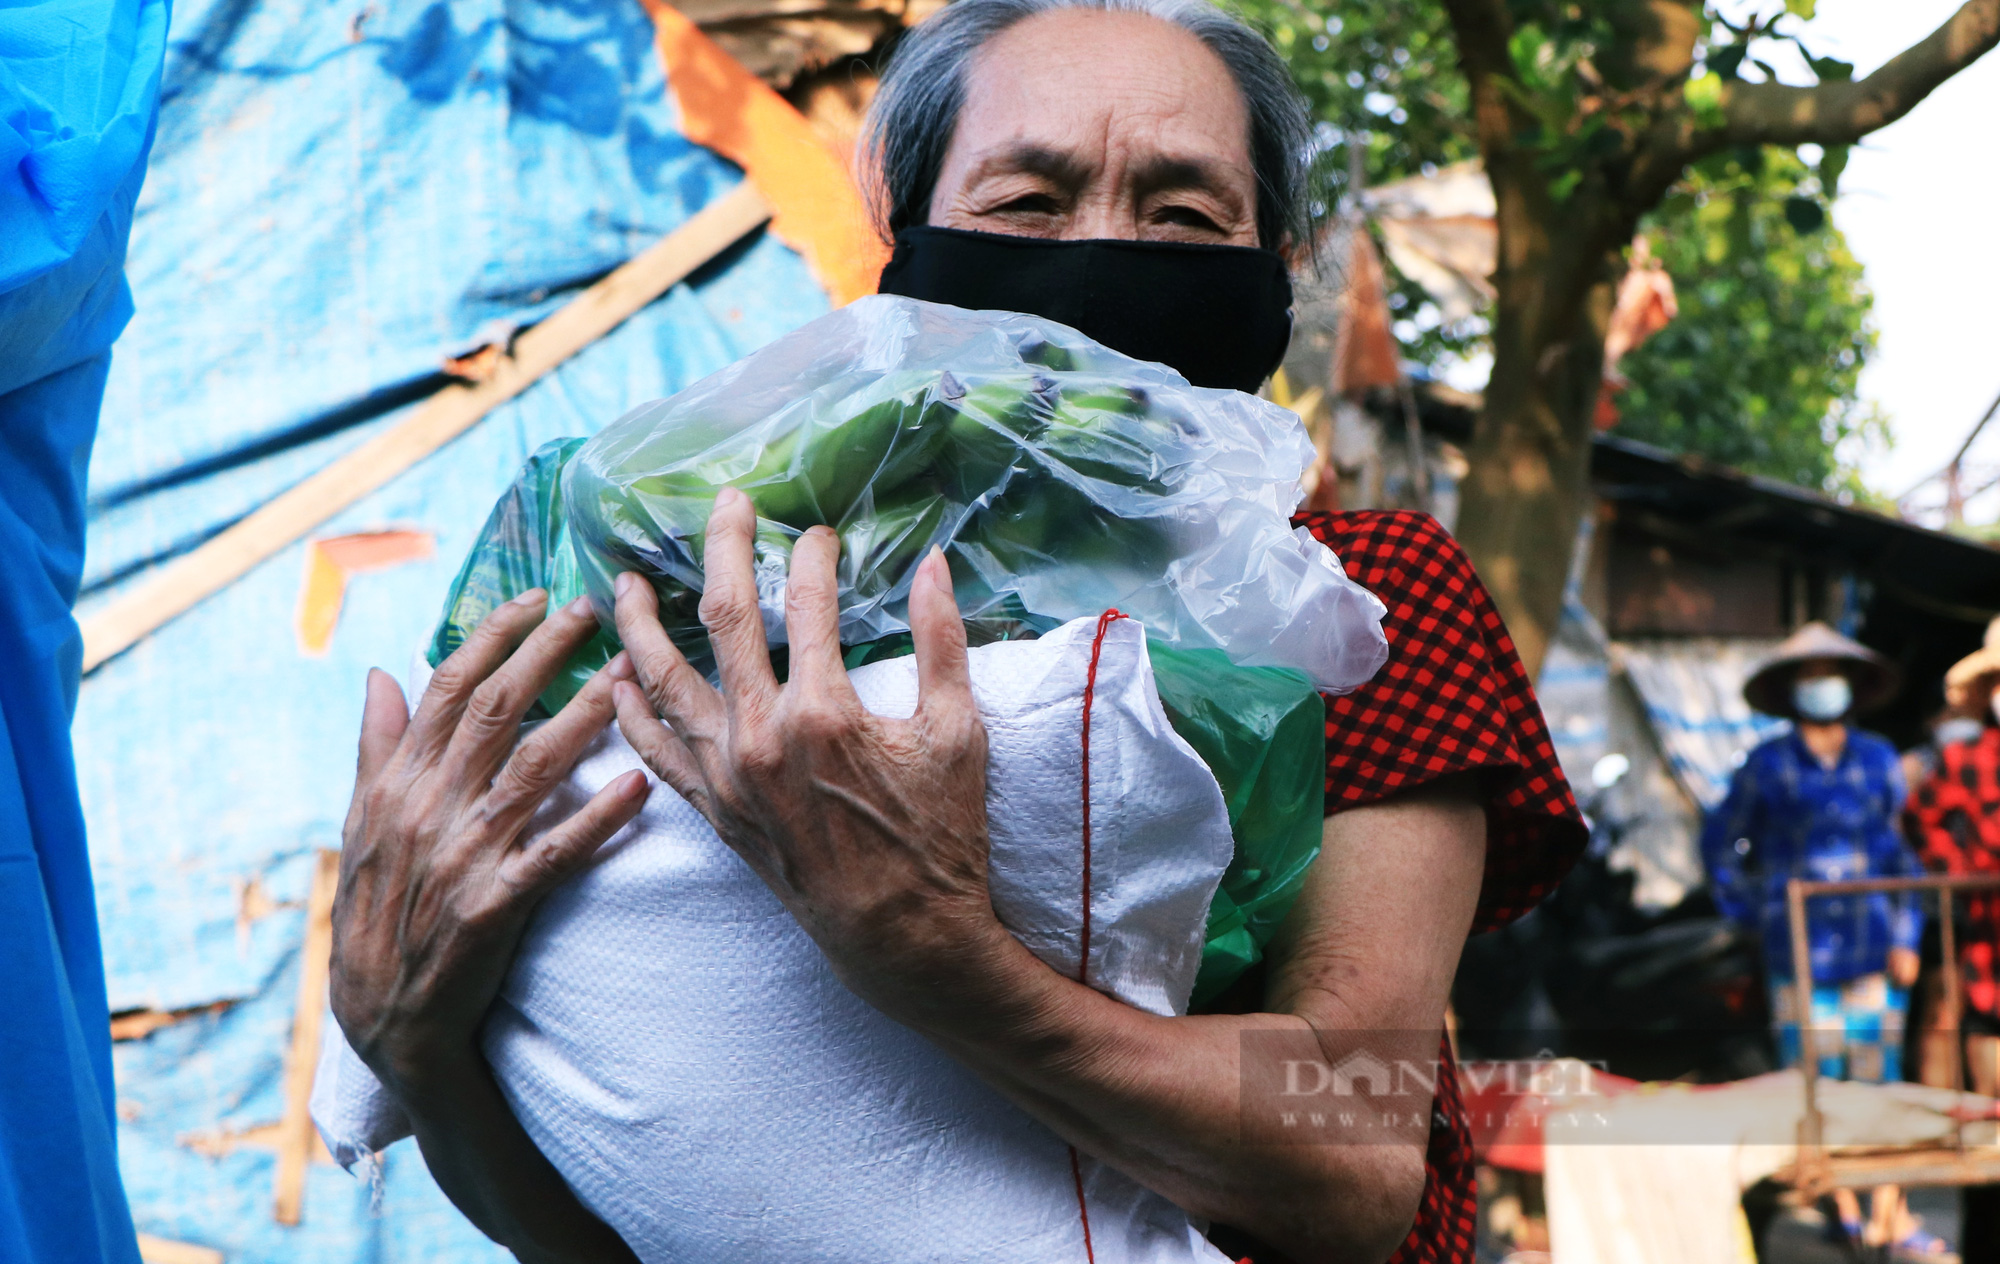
(1134, 168)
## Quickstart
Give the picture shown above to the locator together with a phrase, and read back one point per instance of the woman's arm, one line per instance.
(872, 832)
(490, 1168)
(1364, 962)
(437, 883)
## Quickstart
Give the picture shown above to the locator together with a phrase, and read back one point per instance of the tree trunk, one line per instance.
(1530, 459)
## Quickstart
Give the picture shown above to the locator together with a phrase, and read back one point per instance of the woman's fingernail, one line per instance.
(620, 666)
(623, 582)
(532, 597)
(727, 498)
(581, 606)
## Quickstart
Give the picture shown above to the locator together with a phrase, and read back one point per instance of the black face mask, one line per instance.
(1217, 315)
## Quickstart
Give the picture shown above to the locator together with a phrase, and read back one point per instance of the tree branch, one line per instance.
(1481, 30)
(1842, 113)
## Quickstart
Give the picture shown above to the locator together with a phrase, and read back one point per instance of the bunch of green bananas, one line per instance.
(1003, 466)
(1013, 474)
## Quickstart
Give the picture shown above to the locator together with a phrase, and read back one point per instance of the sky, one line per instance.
(1920, 205)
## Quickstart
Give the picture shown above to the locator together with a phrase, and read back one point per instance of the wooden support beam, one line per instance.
(138, 1024)
(167, 1251)
(295, 1130)
(181, 584)
(218, 1143)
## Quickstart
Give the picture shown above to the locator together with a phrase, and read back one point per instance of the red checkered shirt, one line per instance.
(1954, 819)
(1453, 697)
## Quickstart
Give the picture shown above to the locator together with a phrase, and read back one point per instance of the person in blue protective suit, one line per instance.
(79, 93)
(1821, 803)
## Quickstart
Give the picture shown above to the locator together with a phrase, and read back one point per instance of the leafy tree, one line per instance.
(1381, 75)
(1760, 371)
(1760, 368)
(1384, 71)
(1586, 114)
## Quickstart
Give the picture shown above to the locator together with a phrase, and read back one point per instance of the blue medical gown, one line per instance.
(79, 93)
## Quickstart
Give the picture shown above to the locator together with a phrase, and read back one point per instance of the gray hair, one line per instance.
(913, 116)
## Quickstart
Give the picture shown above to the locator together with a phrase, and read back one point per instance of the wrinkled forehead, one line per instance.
(1092, 83)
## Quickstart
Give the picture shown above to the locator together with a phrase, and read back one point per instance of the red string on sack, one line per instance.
(1104, 621)
(1082, 1208)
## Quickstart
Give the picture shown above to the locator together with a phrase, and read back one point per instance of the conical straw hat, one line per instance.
(1769, 688)
(1971, 678)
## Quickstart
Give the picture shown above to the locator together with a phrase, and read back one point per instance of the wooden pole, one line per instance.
(1948, 951)
(1802, 985)
(186, 581)
(295, 1131)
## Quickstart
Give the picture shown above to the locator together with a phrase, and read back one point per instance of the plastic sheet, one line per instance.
(1059, 478)
(1262, 732)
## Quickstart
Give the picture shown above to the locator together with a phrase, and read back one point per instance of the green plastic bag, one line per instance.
(525, 544)
(1262, 732)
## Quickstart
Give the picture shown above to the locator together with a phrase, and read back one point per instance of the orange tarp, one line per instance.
(1365, 353)
(817, 210)
(1646, 305)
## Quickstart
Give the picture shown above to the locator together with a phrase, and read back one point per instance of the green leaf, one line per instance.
(1831, 163)
(1704, 97)
(1565, 184)
(1800, 8)
(1529, 49)
(1832, 69)
(1727, 61)
(1804, 214)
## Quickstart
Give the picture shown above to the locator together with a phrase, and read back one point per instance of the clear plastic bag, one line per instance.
(1059, 477)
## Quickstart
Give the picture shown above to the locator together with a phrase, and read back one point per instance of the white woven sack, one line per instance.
(682, 1053)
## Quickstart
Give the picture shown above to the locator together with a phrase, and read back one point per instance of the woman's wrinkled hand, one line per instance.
(871, 831)
(437, 874)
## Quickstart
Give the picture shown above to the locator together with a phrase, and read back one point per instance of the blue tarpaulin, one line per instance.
(340, 195)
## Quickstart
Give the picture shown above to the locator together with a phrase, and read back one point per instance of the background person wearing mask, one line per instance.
(1954, 820)
(79, 92)
(1820, 803)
